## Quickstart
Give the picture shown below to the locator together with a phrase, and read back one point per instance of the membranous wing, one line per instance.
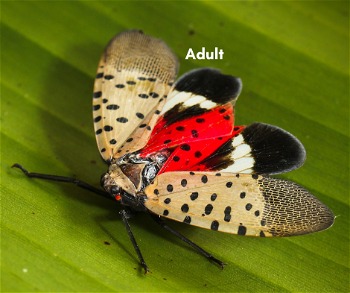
(197, 127)
(134, 77)
(197, 119)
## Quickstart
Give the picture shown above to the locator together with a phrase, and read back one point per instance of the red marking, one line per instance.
(118, 197)
(190, 130)
(182, 160)
(192, 139)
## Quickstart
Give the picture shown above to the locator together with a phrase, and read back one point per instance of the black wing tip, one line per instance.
(275, 150)
(212, 84)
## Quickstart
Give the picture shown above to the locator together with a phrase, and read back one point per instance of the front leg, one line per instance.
(75, 181)
(126, 214)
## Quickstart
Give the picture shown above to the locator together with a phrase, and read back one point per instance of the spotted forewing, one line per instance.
(134, 77)
(241, 204)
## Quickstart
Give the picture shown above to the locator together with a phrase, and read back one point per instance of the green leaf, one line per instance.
(293, 58)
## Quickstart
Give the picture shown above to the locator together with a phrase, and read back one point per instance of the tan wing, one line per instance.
(237, 203)
(134, 77)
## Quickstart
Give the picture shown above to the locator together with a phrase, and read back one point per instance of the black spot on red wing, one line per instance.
(167, 200)
(197, 154)
(122, 119)
(242, 230)
(208, 209)
(194, 195)
(119, 86)
(169, 188)
(227, 117)
(204, 179)
(183, 182)
(185, 208)
(213, 197)
(108, 77)
(248, 206)
(176, 158)
(180, 128)
(229, 184)
(96, 107)
(185, 147)
(200, 120)
(222, 110)
(97, 94)
(187, 220)
(167, 141)
(113, 141)
(194, 133)
(214, 225)
(242, 195)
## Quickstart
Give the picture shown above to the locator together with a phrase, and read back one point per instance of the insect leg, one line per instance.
(125, 214)
(75, 181)
(188, 241)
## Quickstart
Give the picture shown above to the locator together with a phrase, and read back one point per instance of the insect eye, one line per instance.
(114, 190)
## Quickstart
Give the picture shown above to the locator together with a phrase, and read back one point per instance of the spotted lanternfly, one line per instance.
(173, 150)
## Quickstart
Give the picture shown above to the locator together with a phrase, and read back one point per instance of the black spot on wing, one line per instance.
(211, 84)
(242, 230)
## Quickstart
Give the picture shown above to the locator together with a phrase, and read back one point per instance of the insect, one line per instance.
(173, 151)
